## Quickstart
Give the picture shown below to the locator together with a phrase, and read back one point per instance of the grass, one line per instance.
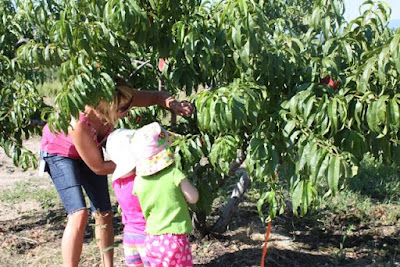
(360, 222)
(334, 210)
(364, 215)
(371, 197)
(13, 243)
(52, 86)
(49, 90)
(342, 223)
(376, 181)
(29, 190)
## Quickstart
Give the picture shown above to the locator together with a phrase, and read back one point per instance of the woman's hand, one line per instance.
(164, 99)
(183, 108)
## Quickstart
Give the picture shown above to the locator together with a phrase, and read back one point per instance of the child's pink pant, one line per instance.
(168, 250)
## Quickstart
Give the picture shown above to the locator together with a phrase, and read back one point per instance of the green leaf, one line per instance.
(368, 69)
(349, 51)
(308, 196)
(289, 127)
(372, 118)
(236, 36)
(245, 54)
(358, 113)
(316, 161)
(305, 155)
(47, 53)
(324, 166)
(394, 43)
(243, 6)
(334, 174)
(333, 115)
(393, 113)
(382, 61)
(297, 195)
(326, 26)
(316, 17)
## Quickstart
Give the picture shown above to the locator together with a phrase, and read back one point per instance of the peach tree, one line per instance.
(301, 93)
(19, 101)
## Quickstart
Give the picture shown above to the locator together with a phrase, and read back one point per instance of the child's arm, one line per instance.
(189, 191)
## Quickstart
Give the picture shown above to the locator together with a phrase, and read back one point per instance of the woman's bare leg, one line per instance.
(105, 237)
(72, 241)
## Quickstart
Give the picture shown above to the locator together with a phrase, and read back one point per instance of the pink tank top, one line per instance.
(61, 144)
(132, 215)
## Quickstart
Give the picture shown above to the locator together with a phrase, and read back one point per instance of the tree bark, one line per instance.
(221, 224)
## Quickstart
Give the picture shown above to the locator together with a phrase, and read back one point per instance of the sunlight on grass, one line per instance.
(29, 190)
(373, 196)
(380, 183)
(49, 90)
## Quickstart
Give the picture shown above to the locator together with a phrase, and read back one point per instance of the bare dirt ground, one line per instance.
(30, 234)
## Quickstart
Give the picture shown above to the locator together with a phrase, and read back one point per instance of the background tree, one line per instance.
(300, 92)
(19, 101)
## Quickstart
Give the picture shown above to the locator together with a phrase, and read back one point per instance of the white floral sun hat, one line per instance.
(120, 150)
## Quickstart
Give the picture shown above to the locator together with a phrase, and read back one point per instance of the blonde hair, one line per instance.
(124, 92)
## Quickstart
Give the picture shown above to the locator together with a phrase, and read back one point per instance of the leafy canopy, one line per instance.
(265, 64)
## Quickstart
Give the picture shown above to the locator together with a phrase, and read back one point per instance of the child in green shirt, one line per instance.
(163, 192)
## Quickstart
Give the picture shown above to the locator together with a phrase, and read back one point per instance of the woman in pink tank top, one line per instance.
(75, 163)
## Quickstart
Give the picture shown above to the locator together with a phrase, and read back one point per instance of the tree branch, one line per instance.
(230, 209)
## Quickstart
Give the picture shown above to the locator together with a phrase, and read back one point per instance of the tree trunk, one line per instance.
(199, 223)
(230, 209)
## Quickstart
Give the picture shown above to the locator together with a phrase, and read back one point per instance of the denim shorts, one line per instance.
(70, 176)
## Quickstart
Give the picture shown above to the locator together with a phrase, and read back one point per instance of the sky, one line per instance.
(352, 11)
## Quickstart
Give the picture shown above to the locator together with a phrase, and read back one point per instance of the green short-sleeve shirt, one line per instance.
(163, 203)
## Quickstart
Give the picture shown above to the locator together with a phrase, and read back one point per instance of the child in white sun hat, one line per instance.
(163, 191)
(120, 150)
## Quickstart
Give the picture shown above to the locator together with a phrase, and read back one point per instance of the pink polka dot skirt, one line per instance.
(168, 250)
